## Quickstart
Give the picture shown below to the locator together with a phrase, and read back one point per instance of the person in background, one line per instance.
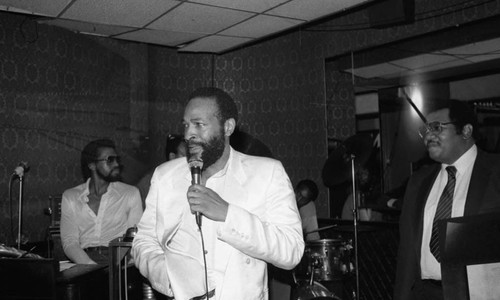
(306, 192)
(364, 199)
(99, 210)
(175, 147)
(463, 177)
(249, 216)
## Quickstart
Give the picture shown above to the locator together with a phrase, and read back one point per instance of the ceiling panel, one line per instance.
(443, 65)
(247, 5)
(416, 62)
(44, 8)
(87, 28)
(260, 26)
(375, 71)
(212, 26)
(131, 13)
(191, 17)
(309, 10)
(160, 37)
(215, 43)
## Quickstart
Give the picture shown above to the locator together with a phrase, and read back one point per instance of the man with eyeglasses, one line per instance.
(464, 181)
(99, 210)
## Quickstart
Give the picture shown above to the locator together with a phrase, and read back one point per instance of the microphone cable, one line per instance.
(204, 252)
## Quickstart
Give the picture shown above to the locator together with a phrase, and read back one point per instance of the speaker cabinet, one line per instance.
(386, 13)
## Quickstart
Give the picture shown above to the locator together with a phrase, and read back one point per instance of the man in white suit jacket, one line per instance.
(250, 216)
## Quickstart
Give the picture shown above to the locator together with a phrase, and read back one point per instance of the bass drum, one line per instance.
(325, 260)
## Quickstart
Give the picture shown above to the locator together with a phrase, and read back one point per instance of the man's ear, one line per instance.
(92, 166)
(467, 131)
(229, 126)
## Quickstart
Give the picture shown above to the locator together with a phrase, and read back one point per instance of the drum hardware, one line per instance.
(355, 223)
(310, 289)
(321, 229)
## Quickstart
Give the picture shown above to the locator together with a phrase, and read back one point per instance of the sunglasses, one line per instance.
(111, 159)
(433, 127)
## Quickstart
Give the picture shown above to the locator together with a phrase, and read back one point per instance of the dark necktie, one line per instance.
(443, 210)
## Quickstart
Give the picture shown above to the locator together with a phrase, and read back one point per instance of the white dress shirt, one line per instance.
(120, 209)
(430, 267)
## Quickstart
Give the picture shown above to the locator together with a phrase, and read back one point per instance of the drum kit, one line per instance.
(331, 260)
(324, 261)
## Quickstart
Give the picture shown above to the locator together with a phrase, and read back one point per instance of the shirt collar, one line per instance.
(86, 190)
(465, 161)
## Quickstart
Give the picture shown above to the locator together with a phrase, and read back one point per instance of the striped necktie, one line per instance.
(443, 210)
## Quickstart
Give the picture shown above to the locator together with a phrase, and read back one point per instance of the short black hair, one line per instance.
(311, 186)
(462, 113)
(91, 153)
(227, 106)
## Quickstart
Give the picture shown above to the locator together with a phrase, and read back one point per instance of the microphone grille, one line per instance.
(195, 163)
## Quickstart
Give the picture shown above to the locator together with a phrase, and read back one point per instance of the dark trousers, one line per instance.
(428, 290)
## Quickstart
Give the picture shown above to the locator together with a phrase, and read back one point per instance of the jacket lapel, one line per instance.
(423, 194)
(478, 184)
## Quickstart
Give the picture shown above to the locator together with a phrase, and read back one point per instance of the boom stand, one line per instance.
(20, 218)
(355, 220)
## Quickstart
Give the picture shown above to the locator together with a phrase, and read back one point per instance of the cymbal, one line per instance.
(337, 168)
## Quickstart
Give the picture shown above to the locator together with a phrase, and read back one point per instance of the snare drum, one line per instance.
(325, 260)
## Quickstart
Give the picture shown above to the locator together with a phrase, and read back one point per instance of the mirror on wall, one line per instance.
(461, 63)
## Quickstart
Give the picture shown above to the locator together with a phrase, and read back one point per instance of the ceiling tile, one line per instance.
(214, 43)
(483, 47)
(423, 60)
(190, 17)
(89, 28)
(375, 71)
(131, 13)
(260, 26)
(160, 37)
(309, 10)
(443, 65)
(253, 6)
(45, 8)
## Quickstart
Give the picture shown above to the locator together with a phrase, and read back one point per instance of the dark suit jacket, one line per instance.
(483, 196)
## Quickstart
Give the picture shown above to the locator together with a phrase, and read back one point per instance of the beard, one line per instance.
(113, 175)
(211, 150)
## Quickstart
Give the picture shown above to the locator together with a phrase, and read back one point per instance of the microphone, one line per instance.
(22, 167)
(196, 164)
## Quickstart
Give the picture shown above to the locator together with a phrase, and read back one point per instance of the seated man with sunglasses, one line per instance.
(99, 210)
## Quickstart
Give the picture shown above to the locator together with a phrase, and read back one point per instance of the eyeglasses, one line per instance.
(111, 159)
(433, 127)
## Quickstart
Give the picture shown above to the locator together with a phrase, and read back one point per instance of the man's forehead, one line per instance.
(106, 151)
(201, 108)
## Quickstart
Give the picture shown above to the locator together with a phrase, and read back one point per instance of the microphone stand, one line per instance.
(355, 223)
(20, 211)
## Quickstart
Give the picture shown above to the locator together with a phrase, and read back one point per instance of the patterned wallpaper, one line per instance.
(58, 90)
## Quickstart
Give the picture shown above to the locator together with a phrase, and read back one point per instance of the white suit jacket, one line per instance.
(262, 226)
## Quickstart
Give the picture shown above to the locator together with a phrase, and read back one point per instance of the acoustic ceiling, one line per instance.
(212, 26)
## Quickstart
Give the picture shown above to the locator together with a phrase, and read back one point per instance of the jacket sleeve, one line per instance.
(274, 236)
(147, 251)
